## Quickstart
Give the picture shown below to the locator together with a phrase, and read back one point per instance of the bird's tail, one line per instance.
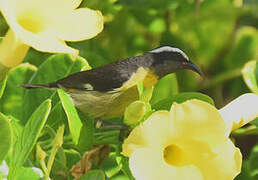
(32, 86)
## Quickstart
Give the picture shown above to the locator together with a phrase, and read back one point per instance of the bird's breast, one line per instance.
(146, 75)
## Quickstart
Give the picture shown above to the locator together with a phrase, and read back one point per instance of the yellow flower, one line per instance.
(45, 25)
(189, 142)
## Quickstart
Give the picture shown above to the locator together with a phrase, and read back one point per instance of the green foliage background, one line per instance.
(219, 36)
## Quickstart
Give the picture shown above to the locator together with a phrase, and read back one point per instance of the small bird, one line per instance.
(106, 91)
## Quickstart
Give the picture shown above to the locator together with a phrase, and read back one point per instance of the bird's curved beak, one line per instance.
(193, 67)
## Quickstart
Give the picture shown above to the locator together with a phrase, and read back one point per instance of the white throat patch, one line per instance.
(169, 49)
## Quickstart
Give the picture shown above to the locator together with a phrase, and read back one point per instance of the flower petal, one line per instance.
(154, 132)
(225, 165)
(240, 111)
(44, 42)
(12, 50)
(79, 25)
(198, 120)
(148, 164)
(64, 4)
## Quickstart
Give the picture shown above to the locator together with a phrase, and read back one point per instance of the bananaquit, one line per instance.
(106, 91)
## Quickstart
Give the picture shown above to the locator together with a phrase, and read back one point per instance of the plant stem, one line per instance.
(57, 143)
(221, 78)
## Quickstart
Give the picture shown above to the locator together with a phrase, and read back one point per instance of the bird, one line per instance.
(105, 92)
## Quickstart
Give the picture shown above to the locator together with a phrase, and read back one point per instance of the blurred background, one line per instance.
(220, 36)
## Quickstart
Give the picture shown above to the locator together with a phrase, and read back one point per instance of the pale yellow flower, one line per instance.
(45, 25)
(191, 141)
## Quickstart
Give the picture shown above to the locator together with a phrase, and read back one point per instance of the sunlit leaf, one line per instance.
(5, 136)
(2, 86)
(250, 75)
(74, 120)
(30, 173)
(165, 88)
(28, 137)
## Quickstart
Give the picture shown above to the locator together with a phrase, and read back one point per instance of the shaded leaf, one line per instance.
(179, 98)
(123, 162)
(12, 100)
(86, 140)
(253, 163)
(94, 175)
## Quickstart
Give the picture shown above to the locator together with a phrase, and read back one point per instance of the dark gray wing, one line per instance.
(104, 78)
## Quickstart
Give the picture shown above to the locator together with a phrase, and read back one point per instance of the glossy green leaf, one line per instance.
(93, 175)
(165, 88)
(28, 137)
(253, 163)
(12, 100)
(6, 136)
(55, 67)
(179, 98)
(250, 75)
(74, 120)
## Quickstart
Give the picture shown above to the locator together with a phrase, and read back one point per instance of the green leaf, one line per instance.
(74, 120)
(244, 175)
(3, 72)
(72, 157)
(12, 100)
(86, 140)
(6, 136)
(2, 86)
(28, 137)
(255, 122)
(54, 68)
(250, 74)
(123, 162)
(93, 175)
(110, 166)
(28, 173)
(165, 88)
(179, 98)
(253, 163)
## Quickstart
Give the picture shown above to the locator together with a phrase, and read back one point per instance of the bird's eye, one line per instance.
(184, 63)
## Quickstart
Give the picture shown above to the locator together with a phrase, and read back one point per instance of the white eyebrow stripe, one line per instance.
(169, 49)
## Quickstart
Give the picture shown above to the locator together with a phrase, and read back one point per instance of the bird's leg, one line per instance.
(111, 125)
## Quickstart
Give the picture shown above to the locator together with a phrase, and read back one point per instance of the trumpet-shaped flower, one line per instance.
(45, 25)
(191, 141)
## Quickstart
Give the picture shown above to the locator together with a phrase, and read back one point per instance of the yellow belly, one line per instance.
(104, 105)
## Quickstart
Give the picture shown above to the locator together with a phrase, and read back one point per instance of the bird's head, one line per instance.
(169, 59)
